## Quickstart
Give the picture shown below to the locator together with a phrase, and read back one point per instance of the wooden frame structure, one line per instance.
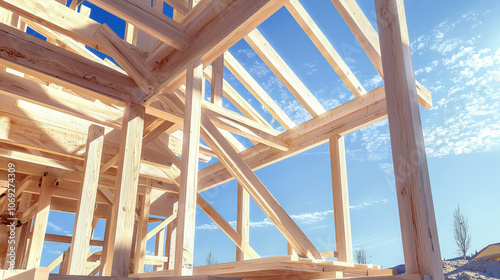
(121, 142)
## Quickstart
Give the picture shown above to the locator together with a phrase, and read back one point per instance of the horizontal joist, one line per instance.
(43, 60)
(346, 118)
(147, 19)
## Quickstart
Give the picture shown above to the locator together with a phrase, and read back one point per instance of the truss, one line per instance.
(122, 142)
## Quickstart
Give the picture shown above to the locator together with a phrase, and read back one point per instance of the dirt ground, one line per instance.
(471, 270)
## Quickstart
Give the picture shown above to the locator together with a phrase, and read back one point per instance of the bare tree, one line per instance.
(360, 255)
(211, 259)
(461, 232)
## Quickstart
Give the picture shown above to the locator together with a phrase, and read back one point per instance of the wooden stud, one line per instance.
(416, 209)
(243, 221)
(82, 231)
(172, 242)
(217, 81)
(159, 247)
(343, 238)
(189, 172)
(116, 255)
(40, 222)
(140, 250)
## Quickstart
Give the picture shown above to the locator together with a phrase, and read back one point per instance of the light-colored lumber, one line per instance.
(343, 239)
(416, 209)
(243, 221)
(22, 89)
(142, 230)
(161, 226)
(213, 37)
(341, 120)
(160, 248)
(148, 19)
(286, 75)
(82, 231)
(55, 16)
(260, 194)
(178, 5)
(65, 68)
(171, 240)
(38, 273)
(40, 222)
(237, 100)
(67, 239)
(236, 237)
(257, 91)
(325, 47)
(56, 262)
(369, 41)
(117, 253)
(189, 175)
(130, 62)
(216, 81)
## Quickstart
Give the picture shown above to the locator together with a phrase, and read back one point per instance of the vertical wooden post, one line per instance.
(189, 171)
(243, 220)
(340, 200)
(121, 225)
(82, 231)
(173, 239)
(142, 232)
(40, 222)
(416, 209)
(217, 80)
(159, 247)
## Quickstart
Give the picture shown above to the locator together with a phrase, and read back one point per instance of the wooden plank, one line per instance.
(172, 240)
(67, 239)
(260, 194)
(40, 222)
(148, 19)
(82, 232)
(343, 239)
(236, 237)
(40, 59)
(117, 253)
(341, 120)
(59, 18)
(130, 62)
(243, 221)
(214, 26)
(217, 81)
(257, 91)
(416, 209)
(325, 47)
(23, 89)
(284, 73)
(38, 273)
(142, 230)
(161, 226)
(189, 175)
(369, 41)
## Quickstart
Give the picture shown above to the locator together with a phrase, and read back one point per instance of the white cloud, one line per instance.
(374, 82)
(54, 227)
(306, 218)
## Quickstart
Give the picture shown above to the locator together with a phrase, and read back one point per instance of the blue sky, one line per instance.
(456, 55)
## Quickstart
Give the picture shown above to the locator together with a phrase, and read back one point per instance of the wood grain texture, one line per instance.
(343, 238)
(82, 231)
(189, 175)
(416, 209)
